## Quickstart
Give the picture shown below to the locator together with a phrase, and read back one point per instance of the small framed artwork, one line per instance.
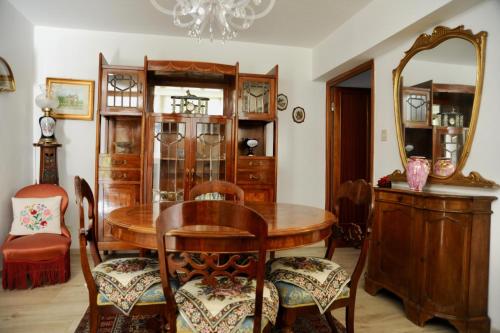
(76, 98)
(282, 102)
(7, 82)
(298, 114)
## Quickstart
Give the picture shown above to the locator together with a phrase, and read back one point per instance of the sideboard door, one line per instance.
(391, 248)
(445, 262)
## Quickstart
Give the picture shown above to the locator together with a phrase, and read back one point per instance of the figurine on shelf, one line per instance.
(250, 143)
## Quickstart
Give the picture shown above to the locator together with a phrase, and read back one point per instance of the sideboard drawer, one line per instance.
(120, 175)
(119, 161)
(396, 197)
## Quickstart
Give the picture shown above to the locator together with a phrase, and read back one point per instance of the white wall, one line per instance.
(16, 150)
(74, 54)
(418, 71)
(483, 157)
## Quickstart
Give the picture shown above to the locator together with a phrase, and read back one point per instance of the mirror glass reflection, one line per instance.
(437, 89)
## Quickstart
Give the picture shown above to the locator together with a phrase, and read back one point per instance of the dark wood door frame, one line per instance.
(332, 177)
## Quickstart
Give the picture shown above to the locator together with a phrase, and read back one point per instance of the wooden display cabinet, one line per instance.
(256, 169)
(432, 250)
(119, 144)
(148, 151)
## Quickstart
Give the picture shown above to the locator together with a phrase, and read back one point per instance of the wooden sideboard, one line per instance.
(432, 250)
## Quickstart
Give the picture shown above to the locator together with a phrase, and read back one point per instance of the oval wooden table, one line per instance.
(290, 225)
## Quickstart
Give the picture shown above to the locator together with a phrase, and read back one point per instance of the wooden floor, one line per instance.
(59, 308)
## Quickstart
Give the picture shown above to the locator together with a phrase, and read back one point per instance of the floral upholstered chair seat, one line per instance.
(227, 307)
(154, 295)
(292, 296)
(125, 282)
(303, 281)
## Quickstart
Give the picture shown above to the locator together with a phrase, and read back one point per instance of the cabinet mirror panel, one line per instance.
(437, 91)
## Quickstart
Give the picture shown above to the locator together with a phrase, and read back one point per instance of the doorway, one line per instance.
(349, 130)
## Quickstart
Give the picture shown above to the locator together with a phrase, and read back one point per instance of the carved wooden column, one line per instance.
(49, 173)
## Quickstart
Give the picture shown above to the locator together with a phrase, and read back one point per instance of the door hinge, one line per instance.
(332, 107)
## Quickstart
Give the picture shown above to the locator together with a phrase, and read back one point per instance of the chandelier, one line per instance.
(221, 19)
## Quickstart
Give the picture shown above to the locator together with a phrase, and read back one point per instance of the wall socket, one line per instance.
(383, 135)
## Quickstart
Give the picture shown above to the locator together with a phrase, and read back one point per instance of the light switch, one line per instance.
(384, 135)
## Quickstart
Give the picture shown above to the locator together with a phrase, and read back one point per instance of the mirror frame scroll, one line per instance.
(427, 42)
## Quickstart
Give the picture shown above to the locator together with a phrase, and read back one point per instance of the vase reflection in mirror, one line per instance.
(417, 170)
(47, 101)
(444, 167)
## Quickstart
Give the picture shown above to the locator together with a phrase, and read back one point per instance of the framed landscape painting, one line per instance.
(76, 98)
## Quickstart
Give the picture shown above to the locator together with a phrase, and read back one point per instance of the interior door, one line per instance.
(352, 146)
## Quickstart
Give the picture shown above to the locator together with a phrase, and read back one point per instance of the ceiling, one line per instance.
(291, 22)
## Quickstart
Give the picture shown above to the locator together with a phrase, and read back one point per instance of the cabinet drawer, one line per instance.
(120, 175)
(261, 163)
(255, 177)
(119, 161)
(394, 197)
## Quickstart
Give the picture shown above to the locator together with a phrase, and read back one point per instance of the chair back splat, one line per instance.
(174, 247)
(230, 191)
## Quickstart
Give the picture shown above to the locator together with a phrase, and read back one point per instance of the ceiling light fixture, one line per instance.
(222, 19)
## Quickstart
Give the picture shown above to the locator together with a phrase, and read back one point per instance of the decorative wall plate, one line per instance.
(298, 114)
(282, 102)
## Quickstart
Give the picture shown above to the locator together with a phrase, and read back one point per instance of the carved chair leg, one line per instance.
(349, 317)
(287, 318)
(331, 321)
(95, 319)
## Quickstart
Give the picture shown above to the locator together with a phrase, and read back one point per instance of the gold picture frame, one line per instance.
(76, 98)
(7, 82)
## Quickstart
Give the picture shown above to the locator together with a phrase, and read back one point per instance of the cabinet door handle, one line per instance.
(253, 177)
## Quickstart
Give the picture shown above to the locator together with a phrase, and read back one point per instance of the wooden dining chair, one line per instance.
(144, 272)
(330, 286)
(226, 190)
(207, 286)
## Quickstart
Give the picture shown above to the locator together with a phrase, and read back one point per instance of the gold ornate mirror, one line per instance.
(437, 93)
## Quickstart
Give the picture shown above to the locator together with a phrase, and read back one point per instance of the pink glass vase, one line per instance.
(444, 167)
(417, 170)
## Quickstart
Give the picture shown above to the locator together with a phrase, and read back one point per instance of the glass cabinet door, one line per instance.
(257, 98)
(210, 160)
(123, 91)
(169, 160)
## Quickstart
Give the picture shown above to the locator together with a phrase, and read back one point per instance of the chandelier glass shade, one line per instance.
(218, 19)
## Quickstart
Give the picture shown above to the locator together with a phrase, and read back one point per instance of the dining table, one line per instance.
(290, 225)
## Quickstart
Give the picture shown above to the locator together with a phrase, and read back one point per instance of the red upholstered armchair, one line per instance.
(43, 258)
